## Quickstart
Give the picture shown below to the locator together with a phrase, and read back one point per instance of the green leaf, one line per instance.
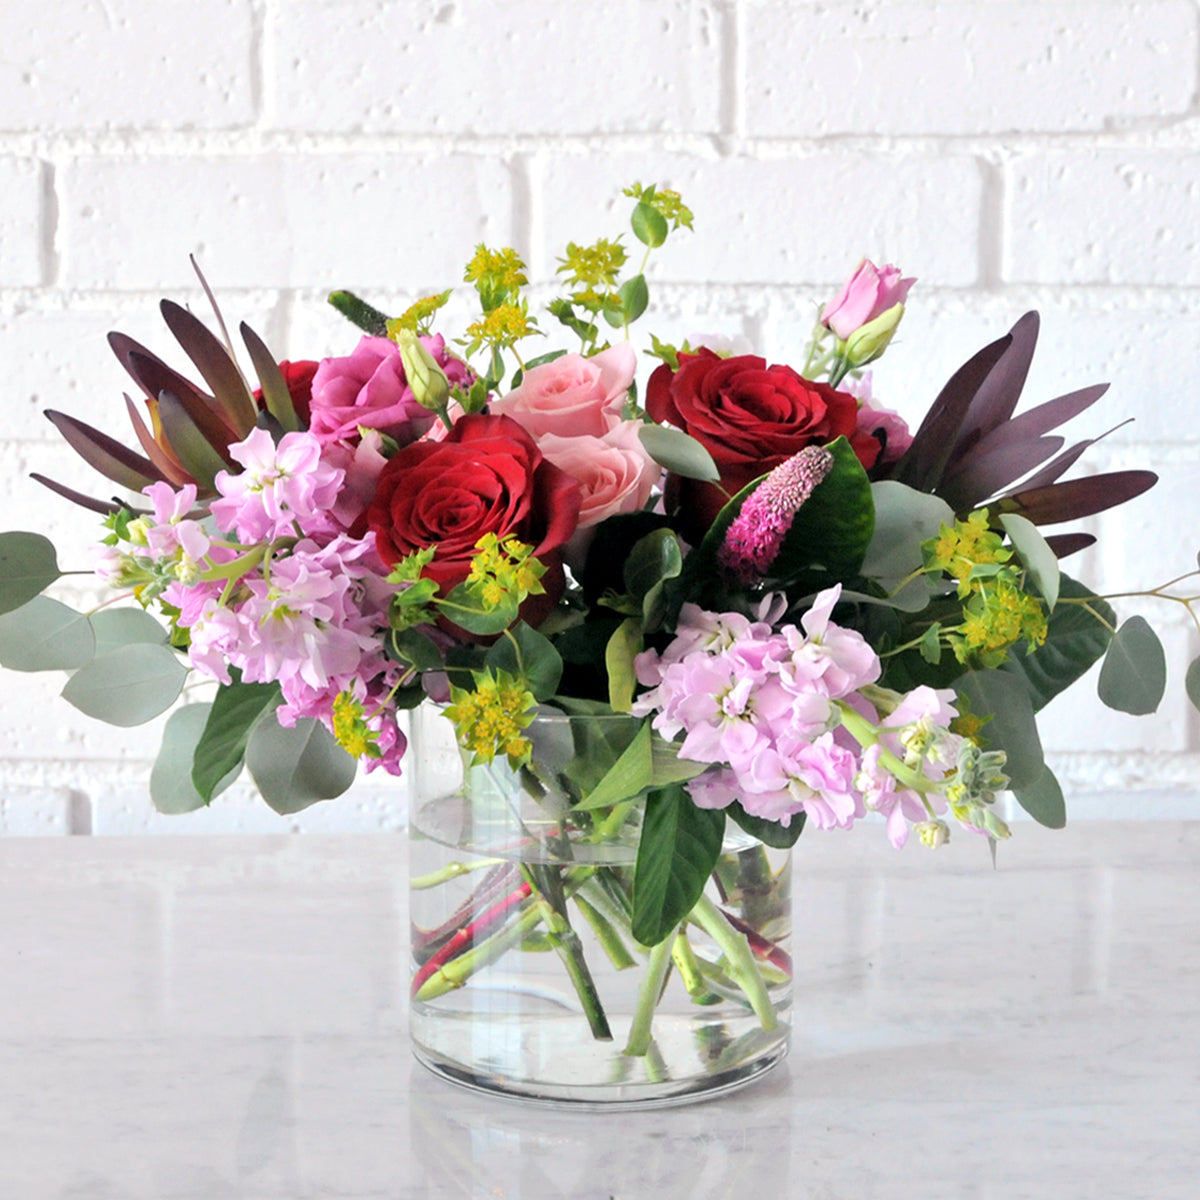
(629, 775)
(235, 711)
(417, 649)
(293, 768)
(1192, 682)
(1075, 639)
(649, 225)
(128, 686)
(468, 612)
(931, 645)
(831, 531)
(28, 565)
(679, 847)
(45, 635)
(679, 453)
(668, 766)
(634, 297)
(532, 658)
(904, 518)
(1043, 800)
(653, 560)
(1134, 675)
(115, 627)
(770, 833)
(1039, 559)
(1012, 728)
(624, 645)
(540, 361)
(275, 392)
(171, 787)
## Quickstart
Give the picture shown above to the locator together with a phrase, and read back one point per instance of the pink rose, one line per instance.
(867, 294)
(614, 473)
(572, 396)
(369, 388)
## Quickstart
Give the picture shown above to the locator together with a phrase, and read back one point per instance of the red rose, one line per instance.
(487, 476)
(750, 418)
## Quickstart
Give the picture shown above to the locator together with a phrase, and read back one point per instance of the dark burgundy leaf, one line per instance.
(1065, 461)
(105, 454)
(213, 362)
(162, 458)
(1080, 497)
(199, 407)
(995, 471)
(99, 506)
(197, 454)
(1068, 543)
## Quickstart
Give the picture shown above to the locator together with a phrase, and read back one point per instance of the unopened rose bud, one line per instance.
(865, 345)
(430, 387)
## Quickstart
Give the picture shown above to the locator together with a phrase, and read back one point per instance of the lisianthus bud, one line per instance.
(867, 343)
(430, 387)
(867, 294)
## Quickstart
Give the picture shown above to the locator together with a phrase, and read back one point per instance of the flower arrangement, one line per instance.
(809, 613)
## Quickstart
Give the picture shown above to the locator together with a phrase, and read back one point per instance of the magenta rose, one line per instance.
(867, 294)
(486, 476)
(750, 417)
(572, 396)
(368, 388)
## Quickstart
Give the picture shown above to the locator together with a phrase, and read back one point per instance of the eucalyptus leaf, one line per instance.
(28, 565)
(1191, 682)
(115, 627)
(1012, 727)
(45, 635)
(904, 518)
(220, 751)
(679, 847)
(679, 453)
(1043, 800)
(1133, 676)
(1039, 559)
(128, 686)
(171, 787)
(293, 768)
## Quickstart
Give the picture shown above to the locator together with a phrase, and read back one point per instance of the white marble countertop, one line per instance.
(219, 1018)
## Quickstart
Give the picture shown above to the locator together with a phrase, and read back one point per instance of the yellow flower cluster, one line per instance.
(503, 268)
(492, 718)
(419, 316)
(666, 201)
(960, 548)
(597, 264)
(504, 571)
(351, 730)
(1003, 614)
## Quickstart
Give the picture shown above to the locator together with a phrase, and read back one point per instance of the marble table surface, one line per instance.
(223, 1018)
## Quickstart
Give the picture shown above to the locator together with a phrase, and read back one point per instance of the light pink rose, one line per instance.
(369, 388)
(614, 473)
(572, 396)
(868, 293)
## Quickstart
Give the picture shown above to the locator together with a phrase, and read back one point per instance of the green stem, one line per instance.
(688, 966)
(457, 971)
(743, 970)
(451, 871)
(607, 935)
(648, 994)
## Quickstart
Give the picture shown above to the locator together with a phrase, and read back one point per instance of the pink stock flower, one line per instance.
(756, 535)
(888, 428)
(867, 294)
(280, 486)
(572, 396)
(368, 388)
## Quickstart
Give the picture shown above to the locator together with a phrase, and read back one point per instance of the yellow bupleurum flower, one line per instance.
(501, 267)
(504, 571)
(505, 324)
(960, 548)
(597, 264)
(492, 717)
(351, 730)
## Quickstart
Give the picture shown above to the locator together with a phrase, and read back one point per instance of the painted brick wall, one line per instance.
(1012, 155)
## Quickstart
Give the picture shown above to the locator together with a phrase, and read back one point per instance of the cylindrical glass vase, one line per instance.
(527, 981)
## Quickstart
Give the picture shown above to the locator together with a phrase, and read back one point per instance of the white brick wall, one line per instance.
(1012, 155)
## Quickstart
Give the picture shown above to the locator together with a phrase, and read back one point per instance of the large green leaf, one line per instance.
(222, 747)
(171, 787)
(1012, 727)
(770, 833)
(1192, 682)
(628, 776)
(524, 652)
(679, 848)
(1043, 800)
(1134, 675)
(293, 768)
(904, 518)
(128, 686)
(28, 565)
(1075, 640)
(45, 635)
(832, 529)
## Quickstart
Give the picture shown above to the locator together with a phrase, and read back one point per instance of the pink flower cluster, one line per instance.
(765, 706)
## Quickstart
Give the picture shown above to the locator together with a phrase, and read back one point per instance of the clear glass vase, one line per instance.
(526, 979)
